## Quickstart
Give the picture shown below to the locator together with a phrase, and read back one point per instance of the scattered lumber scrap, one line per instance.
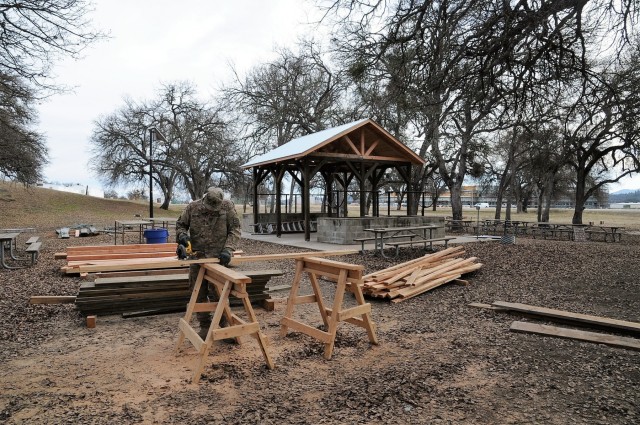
(547, 330)
(574, 318)
(412, 278)
(52, 299)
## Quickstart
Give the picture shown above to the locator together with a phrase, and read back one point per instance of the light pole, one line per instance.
(159, 136)
(478, 223)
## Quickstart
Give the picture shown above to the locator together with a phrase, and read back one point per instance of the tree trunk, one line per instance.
(456, 201)
(581, 182)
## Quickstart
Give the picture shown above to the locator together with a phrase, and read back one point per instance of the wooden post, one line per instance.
(256, 207)
(306, 195)
(363, 195)
(277, 177)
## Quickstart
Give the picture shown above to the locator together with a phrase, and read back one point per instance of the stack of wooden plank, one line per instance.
(412, 278)
(144, 291)
(113, 295)
(112, 258)
(114, 255)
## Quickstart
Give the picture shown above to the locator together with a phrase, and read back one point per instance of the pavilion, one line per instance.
(360, 150)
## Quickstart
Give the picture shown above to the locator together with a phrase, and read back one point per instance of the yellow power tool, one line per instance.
(185, 252)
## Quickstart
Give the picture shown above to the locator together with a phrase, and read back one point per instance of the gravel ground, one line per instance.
(439, 360)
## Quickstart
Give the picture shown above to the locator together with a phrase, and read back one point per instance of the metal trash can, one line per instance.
(508, 239)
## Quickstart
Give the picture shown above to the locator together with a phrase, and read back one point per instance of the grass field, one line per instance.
(21, 207)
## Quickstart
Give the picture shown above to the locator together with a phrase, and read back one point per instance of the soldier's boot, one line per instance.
(205, 324)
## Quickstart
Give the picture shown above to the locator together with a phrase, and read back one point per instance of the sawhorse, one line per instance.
(348, 278)
(226, 282)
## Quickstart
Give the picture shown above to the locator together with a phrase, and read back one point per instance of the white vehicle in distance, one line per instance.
(482, 205)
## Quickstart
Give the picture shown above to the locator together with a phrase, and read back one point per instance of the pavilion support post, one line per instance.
(256, 207)
(410, 193)
(345, 196)
(363, 193)
(328, 184)
(306, 196)
(278, 182)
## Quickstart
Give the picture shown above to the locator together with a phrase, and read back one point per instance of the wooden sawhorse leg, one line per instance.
(226, 282)
(348, 277)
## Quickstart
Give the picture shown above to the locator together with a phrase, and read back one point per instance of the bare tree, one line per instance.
(601, 128)
(23, 152)
(34, 33)
(196, 149)
(462, 56)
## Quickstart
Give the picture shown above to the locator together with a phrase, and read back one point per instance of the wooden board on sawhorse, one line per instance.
(348, 278)
(225, 282)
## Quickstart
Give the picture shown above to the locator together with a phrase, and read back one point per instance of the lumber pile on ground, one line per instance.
(412, 278)
(147, 292)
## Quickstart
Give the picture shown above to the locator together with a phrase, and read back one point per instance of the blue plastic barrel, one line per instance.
(159, 235)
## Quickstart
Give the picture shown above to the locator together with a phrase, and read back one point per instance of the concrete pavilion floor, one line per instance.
(297, 240)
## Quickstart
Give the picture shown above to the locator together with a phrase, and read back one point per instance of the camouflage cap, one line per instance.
(214, 197)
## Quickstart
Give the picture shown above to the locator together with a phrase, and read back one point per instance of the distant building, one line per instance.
(625, 205)
(76, 188)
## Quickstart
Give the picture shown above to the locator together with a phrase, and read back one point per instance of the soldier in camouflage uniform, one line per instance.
(213, 227)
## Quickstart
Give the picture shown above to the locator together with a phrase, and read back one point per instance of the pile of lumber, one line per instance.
(113, 255)
(113, 295)
(112, 258)
(412, 278)
(146, 291)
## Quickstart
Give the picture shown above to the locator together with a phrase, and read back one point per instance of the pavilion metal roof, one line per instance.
(305, 145)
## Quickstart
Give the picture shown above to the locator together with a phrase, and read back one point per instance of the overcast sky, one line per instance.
(158, 41)
(152, 42)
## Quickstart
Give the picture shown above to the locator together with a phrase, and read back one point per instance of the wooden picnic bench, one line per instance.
(34, 250)
(397, 245)
(372, 239)
(285, 227)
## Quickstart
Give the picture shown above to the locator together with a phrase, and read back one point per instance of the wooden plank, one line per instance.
(133, 273)
(134, 279)
(154, 247)
(599, 338)
(162, 263)
(154, 312)
(52, 299)
(454, 251)
(191, 335)
(483, 305)
(236, 331)
(306, 329)
(550, 313)
(120, 255)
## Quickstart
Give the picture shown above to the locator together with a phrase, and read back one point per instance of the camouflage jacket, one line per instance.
(210, 230)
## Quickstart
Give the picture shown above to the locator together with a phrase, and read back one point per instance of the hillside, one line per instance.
(52, 209)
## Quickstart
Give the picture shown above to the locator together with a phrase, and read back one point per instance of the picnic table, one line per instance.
(416, 234)
(126, 226)
(463, 224)
(8, 241)
(607, 231)
(164, 222)
(554, 230)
